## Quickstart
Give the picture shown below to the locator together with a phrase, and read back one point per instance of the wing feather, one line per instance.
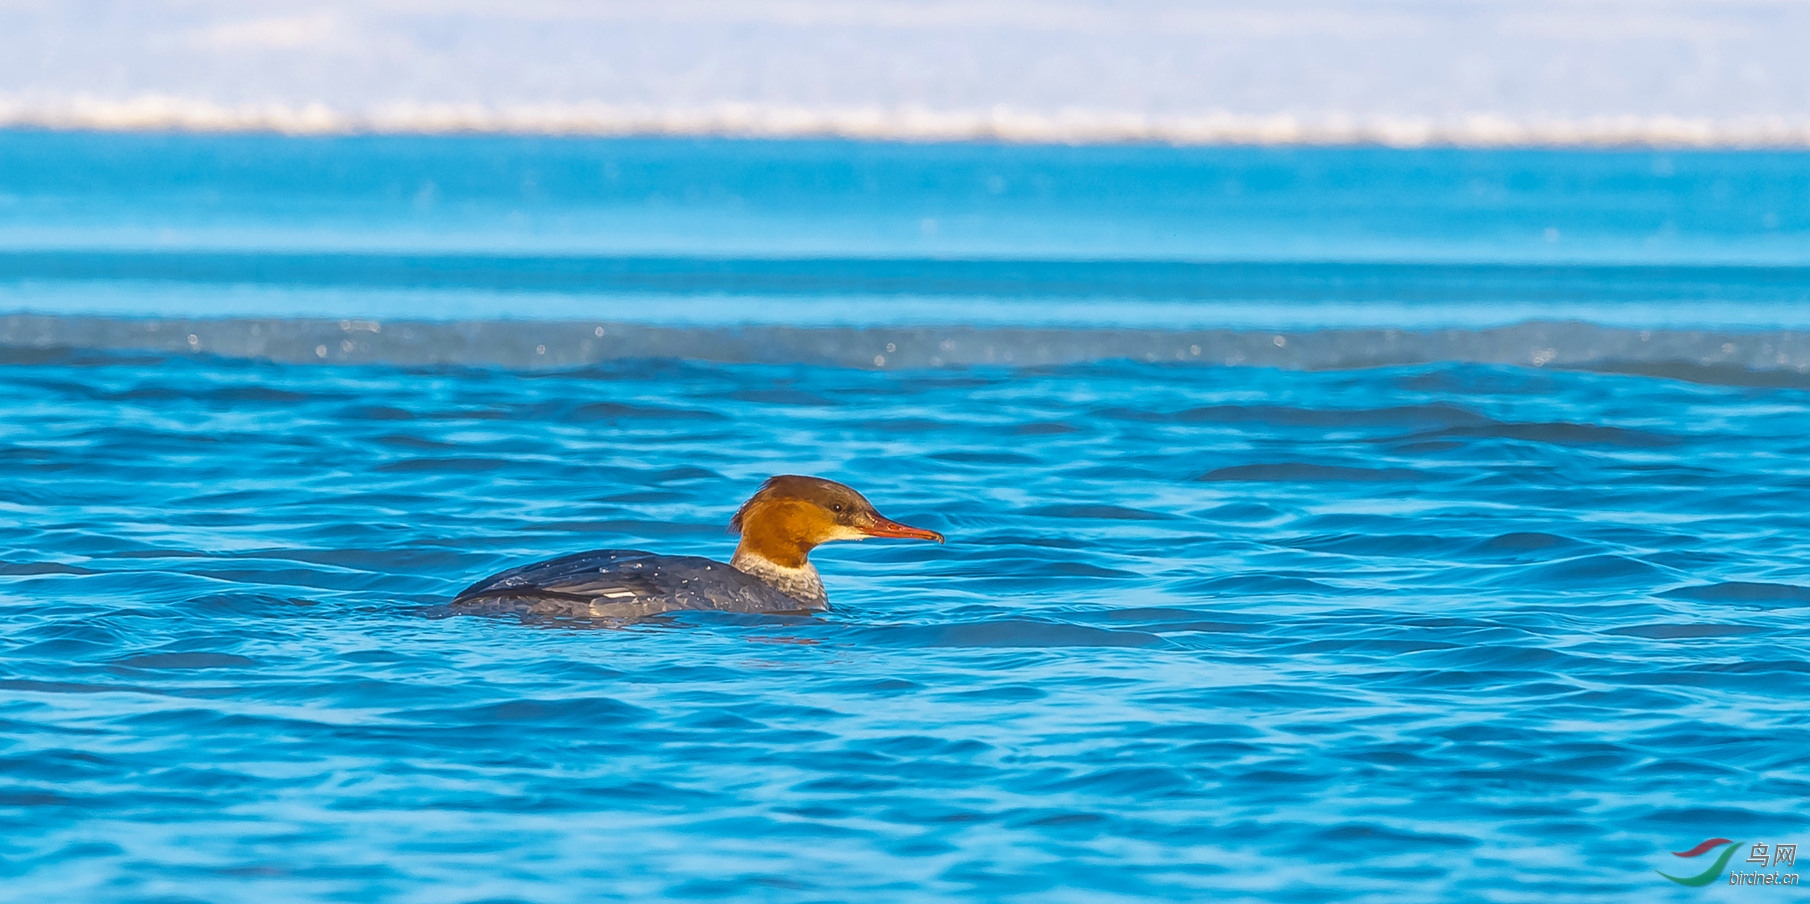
(623, 583)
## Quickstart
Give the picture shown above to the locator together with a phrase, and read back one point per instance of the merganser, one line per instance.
(770, 572)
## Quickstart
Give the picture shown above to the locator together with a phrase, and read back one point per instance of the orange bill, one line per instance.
(886, 527)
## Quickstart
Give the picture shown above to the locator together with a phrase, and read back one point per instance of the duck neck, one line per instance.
(799, 582)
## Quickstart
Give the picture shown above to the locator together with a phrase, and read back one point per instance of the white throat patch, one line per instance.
(801, 584)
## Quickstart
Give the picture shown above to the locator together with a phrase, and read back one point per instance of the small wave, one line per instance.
(186, 661)
(1562, 434)
(1398, 416)
(1098, 512)
(1242, 585)
(1014, 632)
(463, 463)
(1352, 839)
(1301, 472)
(581, 711)
(1592, 571)
(1528, 546)
(1378, 544)
(1743, 592)
(1685, 632)
(35, 568)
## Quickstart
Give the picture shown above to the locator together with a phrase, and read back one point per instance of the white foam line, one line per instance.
(1071, 126)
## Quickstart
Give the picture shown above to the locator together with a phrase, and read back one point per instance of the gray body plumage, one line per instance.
(626, 584)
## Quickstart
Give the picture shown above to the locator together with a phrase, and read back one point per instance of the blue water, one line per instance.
(1261, 630)
(788, 199)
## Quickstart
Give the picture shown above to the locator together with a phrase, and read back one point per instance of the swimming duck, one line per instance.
(771, 570)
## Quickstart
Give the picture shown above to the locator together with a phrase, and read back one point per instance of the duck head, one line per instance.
(791, 515)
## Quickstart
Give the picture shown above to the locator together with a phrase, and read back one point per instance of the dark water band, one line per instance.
(1032, 278)
(1777, 358)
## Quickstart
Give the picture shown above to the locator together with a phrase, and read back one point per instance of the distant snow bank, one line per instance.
(1002, 123)
(1486, 73)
